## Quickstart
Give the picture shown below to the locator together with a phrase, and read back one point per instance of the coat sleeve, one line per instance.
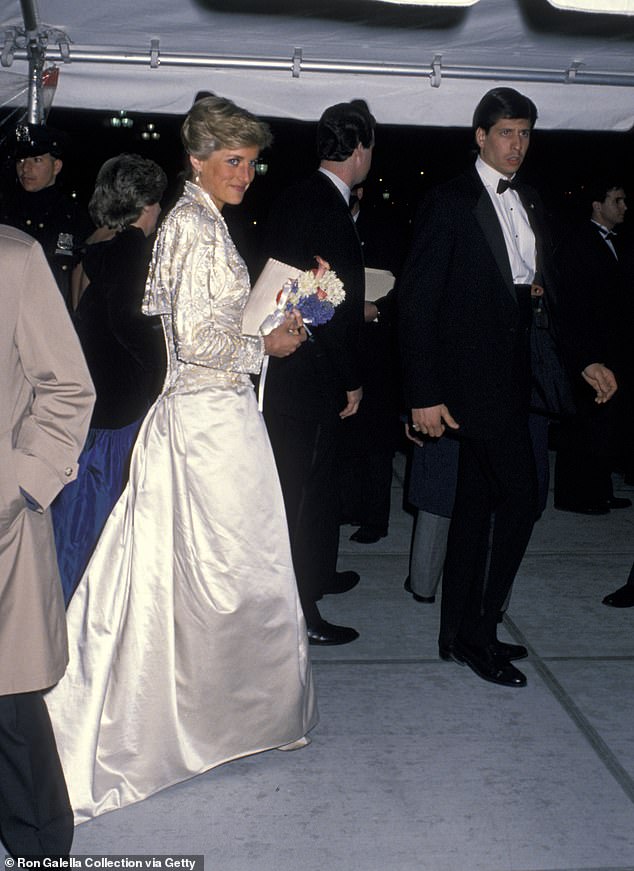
(51, 433)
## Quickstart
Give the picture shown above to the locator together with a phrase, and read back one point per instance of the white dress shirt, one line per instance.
(518, 234)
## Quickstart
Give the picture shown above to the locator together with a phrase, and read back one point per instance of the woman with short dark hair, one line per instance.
(123, 348)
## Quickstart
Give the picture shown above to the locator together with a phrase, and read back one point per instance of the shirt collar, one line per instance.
(490, 177)
(341, 186)
(605, 232)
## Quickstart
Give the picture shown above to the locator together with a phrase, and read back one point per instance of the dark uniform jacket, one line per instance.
(57, 221)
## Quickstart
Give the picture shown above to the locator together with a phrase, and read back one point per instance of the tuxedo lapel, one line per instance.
(487, 219)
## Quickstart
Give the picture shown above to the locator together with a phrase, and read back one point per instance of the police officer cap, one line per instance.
(30, 140)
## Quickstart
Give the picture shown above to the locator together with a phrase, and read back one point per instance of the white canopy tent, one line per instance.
(416, 62)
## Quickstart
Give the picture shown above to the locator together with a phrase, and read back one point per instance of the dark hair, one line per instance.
(124, 185)
(503, 103)
(599, 187)
(215, 122)
(342, 127)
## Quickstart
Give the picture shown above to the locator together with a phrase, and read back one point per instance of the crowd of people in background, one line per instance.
(196, 536)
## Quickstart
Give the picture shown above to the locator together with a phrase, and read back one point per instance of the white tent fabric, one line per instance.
(432, 2)
(618, 7)
(415, 65)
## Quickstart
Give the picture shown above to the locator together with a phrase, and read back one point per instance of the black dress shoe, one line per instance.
(341, 583)
(407, 586)
(368, 535)
(325, 633)
(621, 598)
(510, 651)
(618, 502)
(578, 508)
(488, 665)
(447, 653)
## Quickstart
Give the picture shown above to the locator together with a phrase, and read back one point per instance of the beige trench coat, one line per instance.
(46, 399)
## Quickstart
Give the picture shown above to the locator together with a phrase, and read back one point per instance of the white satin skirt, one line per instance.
(188, 645)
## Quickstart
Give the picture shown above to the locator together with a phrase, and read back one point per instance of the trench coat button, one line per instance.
(68, 471)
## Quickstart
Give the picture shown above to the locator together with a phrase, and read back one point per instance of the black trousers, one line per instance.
(590, 445)
(35, 814)
(305, 454)
(491, 524)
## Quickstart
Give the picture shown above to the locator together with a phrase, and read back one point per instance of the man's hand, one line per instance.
(433, 421)
(370, 312)
(602, 380)
(413, 435)
(354, 400)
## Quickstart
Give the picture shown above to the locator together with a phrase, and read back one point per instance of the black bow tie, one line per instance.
(505, 183)
(606, 233)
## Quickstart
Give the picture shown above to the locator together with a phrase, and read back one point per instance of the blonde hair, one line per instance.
(215, 122)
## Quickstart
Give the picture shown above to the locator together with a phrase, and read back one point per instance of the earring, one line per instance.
(197, 178)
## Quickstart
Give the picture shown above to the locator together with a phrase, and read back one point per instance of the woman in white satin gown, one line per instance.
(187, 641)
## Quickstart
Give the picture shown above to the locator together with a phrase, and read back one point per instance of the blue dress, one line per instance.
(125, 355)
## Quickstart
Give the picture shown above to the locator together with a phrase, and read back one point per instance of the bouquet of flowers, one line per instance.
(314, 293)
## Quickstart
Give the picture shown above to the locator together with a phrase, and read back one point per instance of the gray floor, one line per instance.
(417, 764)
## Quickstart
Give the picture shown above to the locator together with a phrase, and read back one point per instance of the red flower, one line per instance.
(321, 268)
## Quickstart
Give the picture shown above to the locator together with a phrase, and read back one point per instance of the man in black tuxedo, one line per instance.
(479, 248)
(308, 395)
(596, 310)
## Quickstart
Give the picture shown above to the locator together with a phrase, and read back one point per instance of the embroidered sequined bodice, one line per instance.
(199, 285)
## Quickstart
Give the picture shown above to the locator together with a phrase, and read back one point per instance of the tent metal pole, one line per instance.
(574, 74)
(31, 17)
(36, 54)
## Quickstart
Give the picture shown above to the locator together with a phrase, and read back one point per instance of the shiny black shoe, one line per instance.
(448, 654)
(407, 586)
(618, 502)
(368, 535)
(621, 598)
(510, 651)
(488, 665)
(325, 633)
(341, 583)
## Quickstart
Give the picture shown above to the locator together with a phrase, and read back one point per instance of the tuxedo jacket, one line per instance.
(595, 300)
(459, 316)
(312, 218)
